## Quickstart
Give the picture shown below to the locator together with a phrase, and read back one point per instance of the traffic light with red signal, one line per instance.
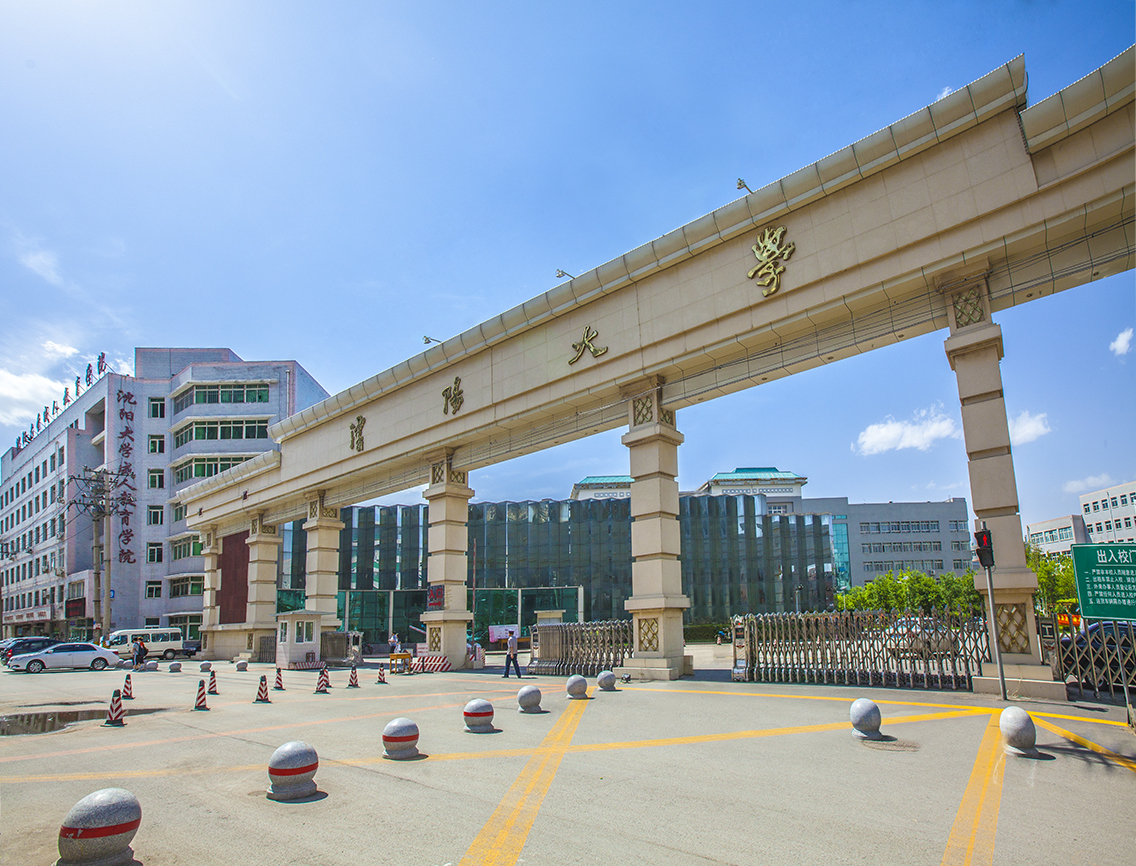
(984, 547)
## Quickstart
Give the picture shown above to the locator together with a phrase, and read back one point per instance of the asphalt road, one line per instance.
(698, 771)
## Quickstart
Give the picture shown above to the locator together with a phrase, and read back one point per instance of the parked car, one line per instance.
(64, 655)
(22, 645)
(918, 635)
(1094, 651)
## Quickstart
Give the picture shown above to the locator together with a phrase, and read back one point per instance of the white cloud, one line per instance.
(946, 91)
(1026, 427)
(22, 397)
(1093, 482)
(58, 350)
(44, 263)
(926, 426)
(1122, 343)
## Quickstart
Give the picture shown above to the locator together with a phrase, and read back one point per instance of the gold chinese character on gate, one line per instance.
(590, 334)
(453, 397)
(357, 433)
(768, 250)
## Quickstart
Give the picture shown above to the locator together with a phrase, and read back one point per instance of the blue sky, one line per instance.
(329, 182)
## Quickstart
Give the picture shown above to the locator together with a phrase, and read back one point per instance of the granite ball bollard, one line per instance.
(606, 681)
(99, 828)
(206, 667)
(577, 687)
(1019, 736)
(528, 699)
(865, 717)
(175, 667)
(291, 771)
(242, 665)
(400, 740)
(478, 715)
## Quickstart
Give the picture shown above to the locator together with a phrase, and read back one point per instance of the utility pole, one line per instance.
(98, 494)
(984, 549)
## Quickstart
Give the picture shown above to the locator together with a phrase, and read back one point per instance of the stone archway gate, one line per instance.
(964, 208)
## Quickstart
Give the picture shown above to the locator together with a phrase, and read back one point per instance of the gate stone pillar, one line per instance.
(448, 616)
(264, 551)
(657, 603)
(974, 350)
(322, 581)
(210, 611)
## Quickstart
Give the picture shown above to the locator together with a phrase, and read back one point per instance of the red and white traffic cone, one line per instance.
(279, 687)
(127, 690)
(353, 683)
(200, 705)
(213, 683)
(382, 675)
(323, 683)
(114, 711)
(262, 692)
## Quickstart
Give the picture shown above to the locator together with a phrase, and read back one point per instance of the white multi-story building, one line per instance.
(186, 414)
(1110, 514)
(1053, 537)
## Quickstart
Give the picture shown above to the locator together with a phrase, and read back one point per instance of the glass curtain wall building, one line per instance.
(571, 555)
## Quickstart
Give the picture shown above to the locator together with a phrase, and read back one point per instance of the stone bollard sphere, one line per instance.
(1019, 736)
(112, 815)
(242, 665)
(175, 667)
(291, 771)
(400, 740)
(528, 699)
(206, 666)
(577, 687)
(865, 717)
(478, 716)
(606, 681)
(151, 665)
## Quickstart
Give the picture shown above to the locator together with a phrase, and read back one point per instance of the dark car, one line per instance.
(24, 645)
(1092, 653)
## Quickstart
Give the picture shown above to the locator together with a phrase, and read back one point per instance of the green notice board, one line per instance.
(1106, 580)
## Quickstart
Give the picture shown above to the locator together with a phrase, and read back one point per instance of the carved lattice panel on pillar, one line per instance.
(968, 307)
(438, 473)
(643, 409)
(457, 476)
(1013, 628)
(649, 635)
(434, 639)
(667, 416)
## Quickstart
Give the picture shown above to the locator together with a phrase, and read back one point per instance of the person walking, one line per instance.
(511, 655)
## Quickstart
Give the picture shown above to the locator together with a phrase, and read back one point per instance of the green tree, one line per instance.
(1056, 586)
(914, 590)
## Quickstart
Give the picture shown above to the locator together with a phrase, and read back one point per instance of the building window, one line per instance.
(157, 444)
(157, 479)
(220, 394)
(153, 621)
(154, 552)
(184, 586)
(1096, 506)
(205, 467)
(190, 625)
(185, 547)
(157, 407)
(155, 515)
(231, 429)
(153, 589)
(1098, 527)
(179, 512)
(1114, 502)
(1127, 522)
(1087, 508)
(1123, 498)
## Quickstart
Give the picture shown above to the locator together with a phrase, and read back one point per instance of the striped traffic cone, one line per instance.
(200, 705)
(127, 690)
(213, 683)
(279, 687)
(114, 711)
(382, 675)
(353, 683)
(323, 683)
(262, 692)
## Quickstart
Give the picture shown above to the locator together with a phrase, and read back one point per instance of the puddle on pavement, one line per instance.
(41, 723)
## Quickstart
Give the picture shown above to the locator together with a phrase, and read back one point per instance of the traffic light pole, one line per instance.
(988, 562)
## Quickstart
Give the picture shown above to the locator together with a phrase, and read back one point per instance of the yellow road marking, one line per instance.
(976, 824)
(1088, 744)
(503, 836)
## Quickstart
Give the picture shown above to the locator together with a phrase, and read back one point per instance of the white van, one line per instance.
(165, 642)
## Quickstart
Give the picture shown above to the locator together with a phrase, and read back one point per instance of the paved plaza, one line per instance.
(696, 771)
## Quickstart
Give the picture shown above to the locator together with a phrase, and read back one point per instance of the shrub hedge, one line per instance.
(706, 632)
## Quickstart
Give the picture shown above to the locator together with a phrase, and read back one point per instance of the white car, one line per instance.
(64, 655)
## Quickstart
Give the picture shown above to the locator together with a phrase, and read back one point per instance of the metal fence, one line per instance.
(904, 649)
(585, 648)
(1089, 654)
